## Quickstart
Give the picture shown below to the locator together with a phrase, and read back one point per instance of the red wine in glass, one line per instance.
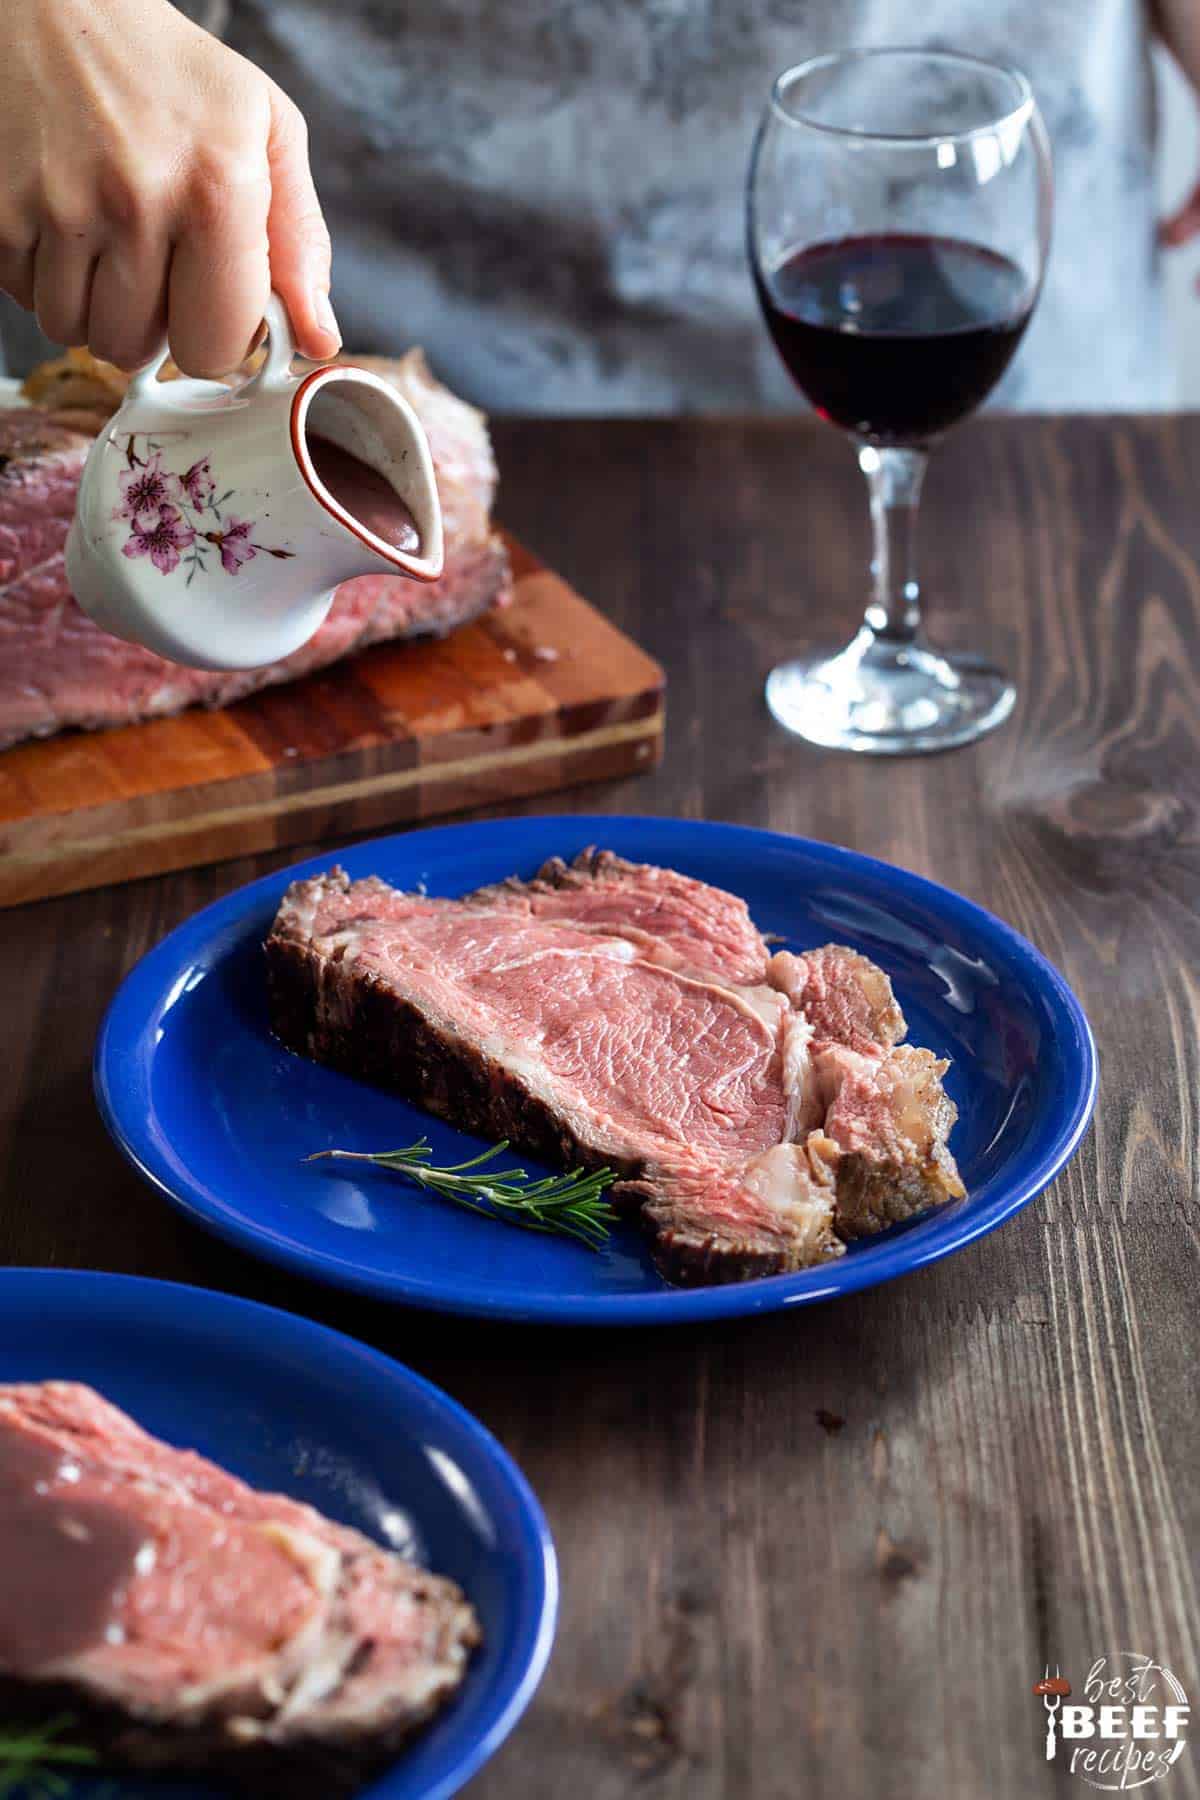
(898, 214)
(895, 336)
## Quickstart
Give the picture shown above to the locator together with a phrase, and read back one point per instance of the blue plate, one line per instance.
(302, 1410)
(219, 1117)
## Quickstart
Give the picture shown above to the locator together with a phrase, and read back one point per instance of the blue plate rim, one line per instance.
(535, 1633)
(884, 1262)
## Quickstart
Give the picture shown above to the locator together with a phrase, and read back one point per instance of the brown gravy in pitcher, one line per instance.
(366, 495)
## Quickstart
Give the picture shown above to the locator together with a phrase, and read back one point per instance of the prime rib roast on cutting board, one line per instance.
(59, 669)
(183, 1619)
(760, 1108)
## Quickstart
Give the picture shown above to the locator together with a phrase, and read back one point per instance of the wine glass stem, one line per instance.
(894, 477)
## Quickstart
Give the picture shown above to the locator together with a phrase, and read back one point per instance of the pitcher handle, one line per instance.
(143, 384)
(274, 374)
(281, 348)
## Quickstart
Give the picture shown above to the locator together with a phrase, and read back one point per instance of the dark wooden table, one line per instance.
(825, 1554)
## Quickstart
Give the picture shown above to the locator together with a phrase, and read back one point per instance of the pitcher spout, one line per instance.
(363, 454)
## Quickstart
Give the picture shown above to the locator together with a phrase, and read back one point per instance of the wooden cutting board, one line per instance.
(540, 695)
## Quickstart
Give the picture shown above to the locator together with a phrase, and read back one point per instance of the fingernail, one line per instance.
(323, 308)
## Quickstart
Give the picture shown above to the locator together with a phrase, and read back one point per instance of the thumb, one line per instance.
(1183, 224)
(299, 239)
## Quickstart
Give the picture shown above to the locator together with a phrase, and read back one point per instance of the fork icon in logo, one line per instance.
(1053, 1690)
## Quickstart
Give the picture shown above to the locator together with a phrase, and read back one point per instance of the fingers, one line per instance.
(299, 240)
(146, 207)
(220, 272)
(16, 276)
(127, 322)
(1184, 224)
(186, 247)
(64, 266)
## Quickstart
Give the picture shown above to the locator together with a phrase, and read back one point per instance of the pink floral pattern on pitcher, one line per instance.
(198, 483)
(236, 547)
(160, 536)
(176, 517)
(145, 488)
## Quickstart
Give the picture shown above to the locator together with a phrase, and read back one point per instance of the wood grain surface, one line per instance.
(827, 1554)
(537, 695)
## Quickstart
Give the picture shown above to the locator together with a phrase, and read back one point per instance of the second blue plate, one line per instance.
(297, 1409)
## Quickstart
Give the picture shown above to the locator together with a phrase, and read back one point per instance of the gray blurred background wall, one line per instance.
(1179, 165)
(1178, 169)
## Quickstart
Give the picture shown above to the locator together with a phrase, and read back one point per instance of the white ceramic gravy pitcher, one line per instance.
(202, 530)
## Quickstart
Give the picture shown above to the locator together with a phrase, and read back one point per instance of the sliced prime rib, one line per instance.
(186, 1619)
(758, 1109)
(846, 998)
(58, 669)
(669, 917)
(889, 1118)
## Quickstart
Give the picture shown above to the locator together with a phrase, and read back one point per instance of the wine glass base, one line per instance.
(886, 699)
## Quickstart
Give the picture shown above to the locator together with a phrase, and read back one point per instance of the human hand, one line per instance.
(156, 186)
(1181, 226)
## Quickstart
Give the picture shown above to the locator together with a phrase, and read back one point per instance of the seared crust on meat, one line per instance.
(872, 1195)
(890, 1118)
(873, 1192)
(689, 1256)
(332, 1767)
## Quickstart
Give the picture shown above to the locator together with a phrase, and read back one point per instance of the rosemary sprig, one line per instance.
(572, 1205)
(31, 1755)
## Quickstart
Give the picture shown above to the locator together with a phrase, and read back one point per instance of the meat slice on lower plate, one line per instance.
(58, 669)
(185, 1619)
(548, 1013)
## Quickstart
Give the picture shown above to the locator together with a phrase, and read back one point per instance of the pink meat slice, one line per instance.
(890, 1118)
(672, 918)
(755, 1123)
(57, 669)
(248, 1616)
(846, 998)
(648, 1061)
(553, 1035)
(41, 461)
(778, 1211)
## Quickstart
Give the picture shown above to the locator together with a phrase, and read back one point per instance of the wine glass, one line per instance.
(899, 208)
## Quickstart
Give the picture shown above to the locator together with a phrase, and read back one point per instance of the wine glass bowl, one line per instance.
(898, 208)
